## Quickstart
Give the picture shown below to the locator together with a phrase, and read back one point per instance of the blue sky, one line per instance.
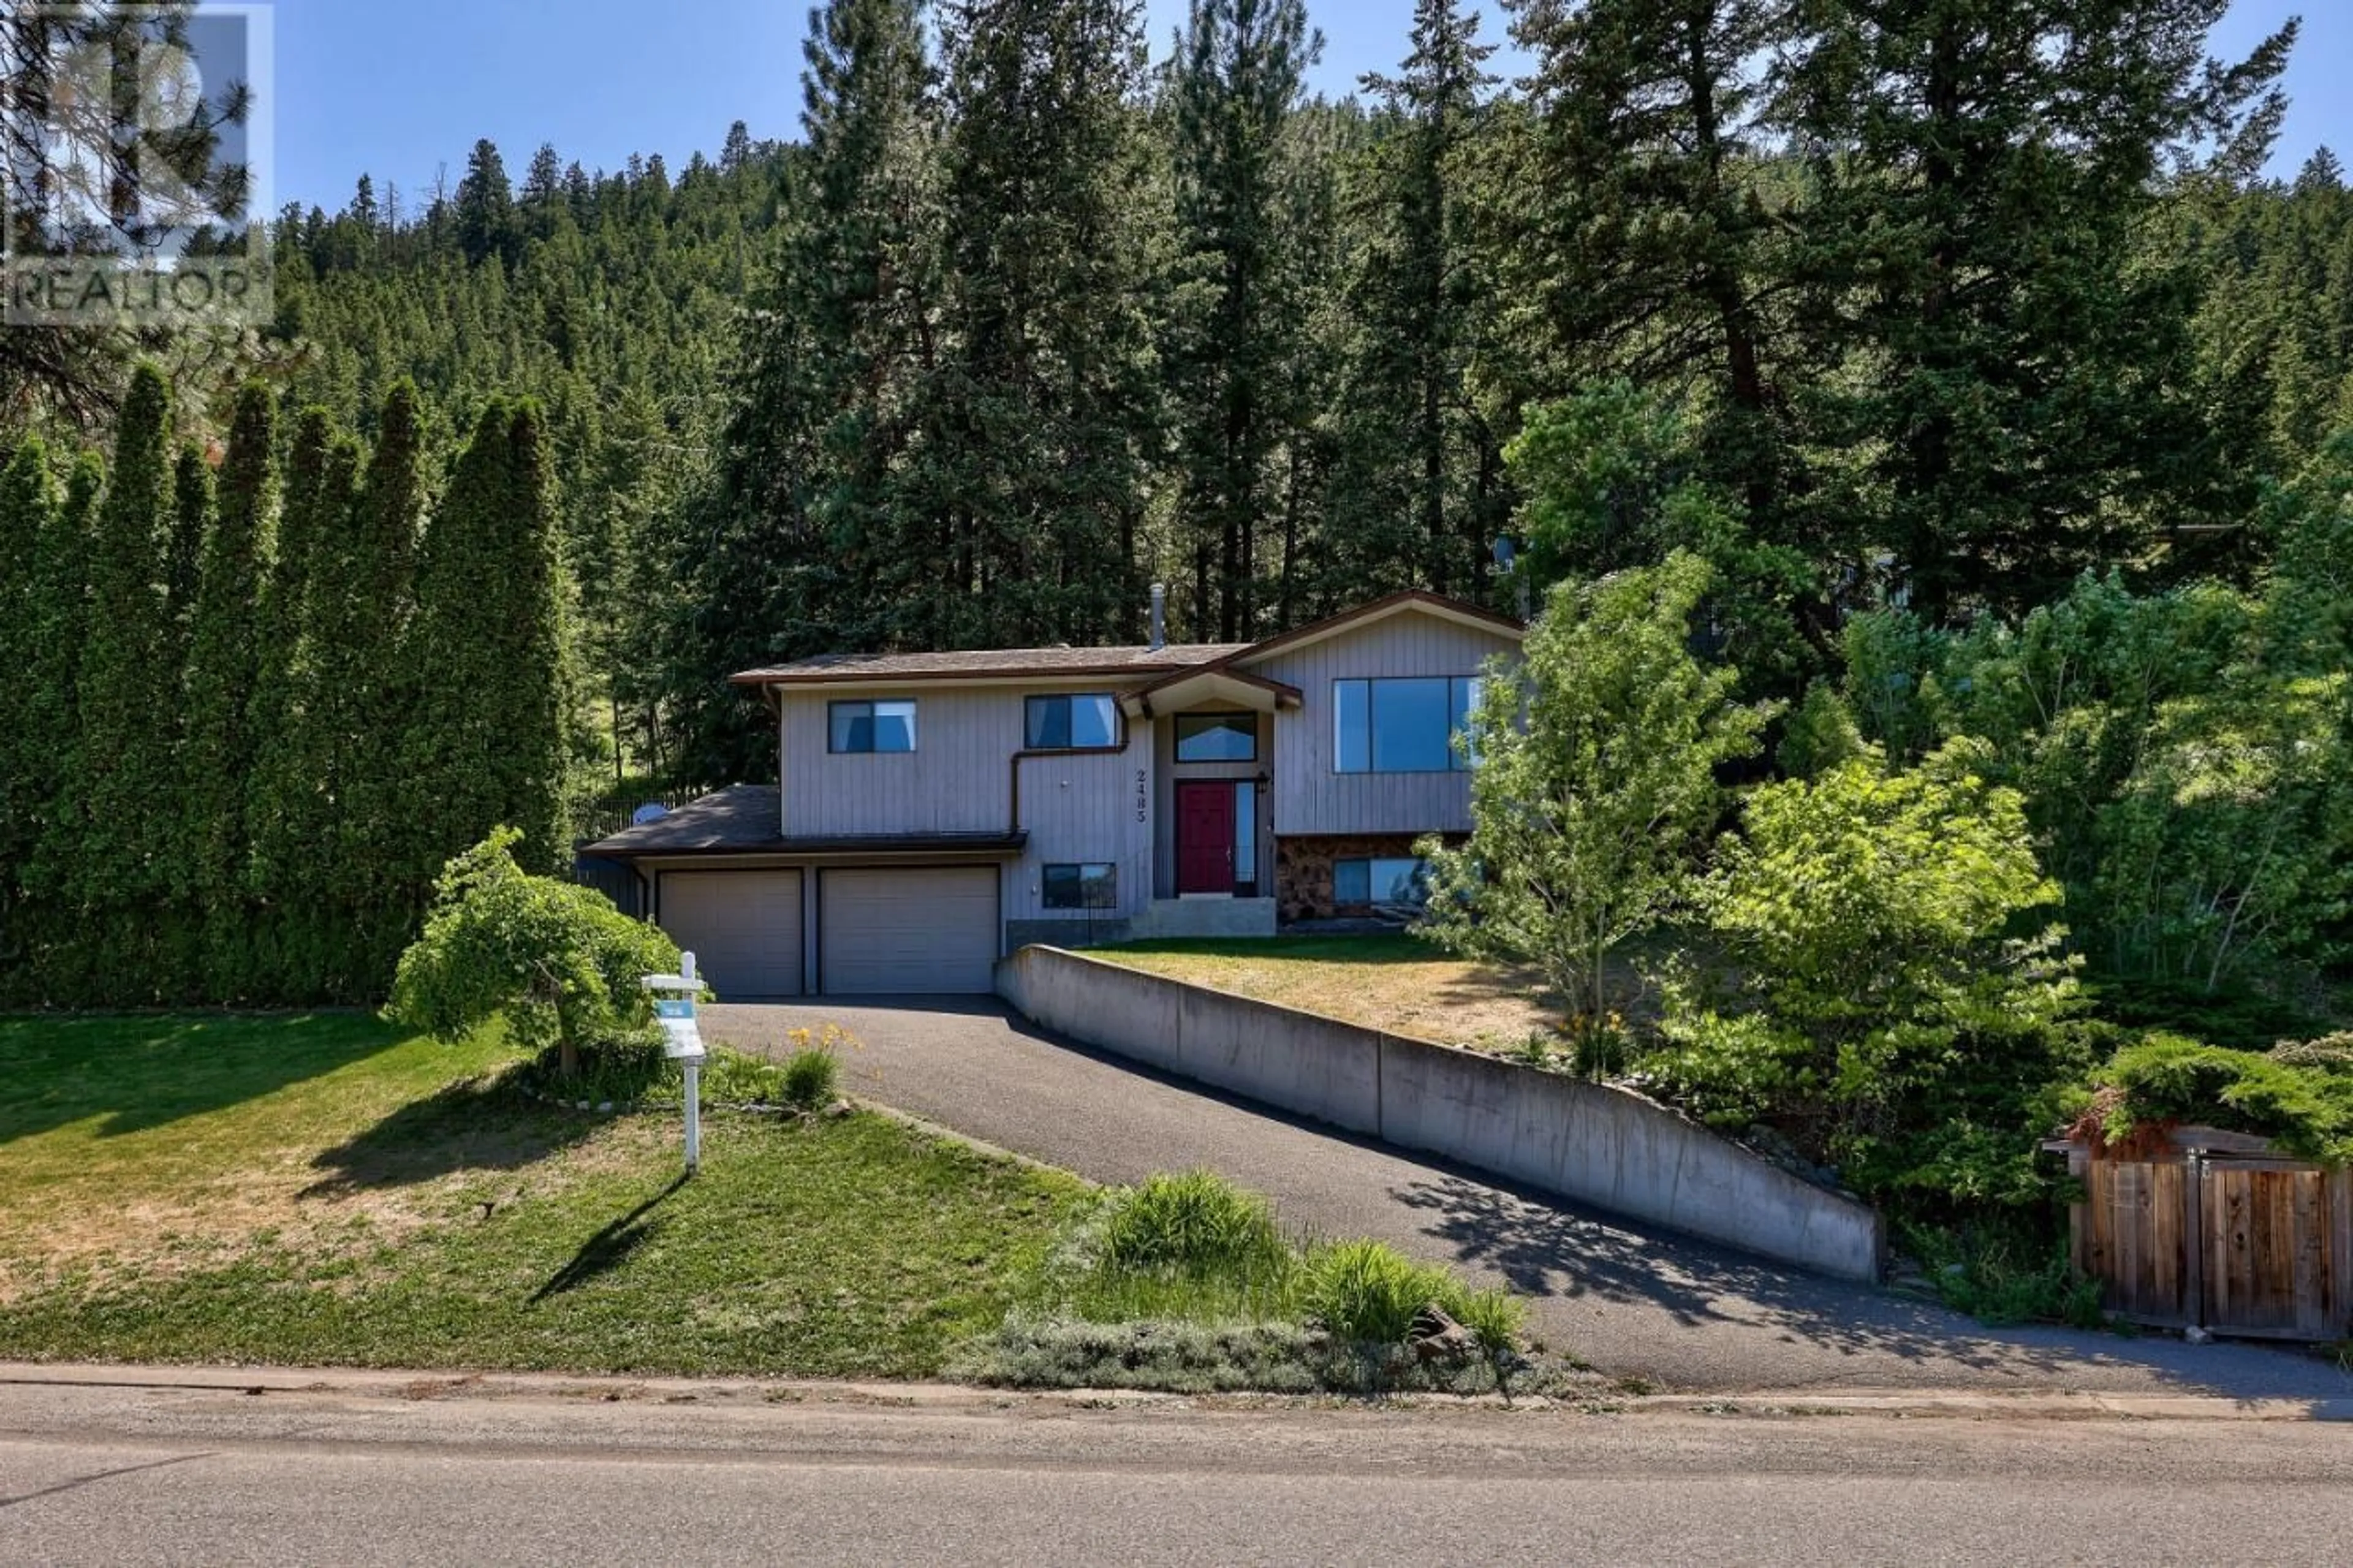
(402, 89)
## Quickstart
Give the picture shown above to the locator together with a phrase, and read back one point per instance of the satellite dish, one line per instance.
(652, 811)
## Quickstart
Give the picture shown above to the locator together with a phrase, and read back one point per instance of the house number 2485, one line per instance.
(1143, 795)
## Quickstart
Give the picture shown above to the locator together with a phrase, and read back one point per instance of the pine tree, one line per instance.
(801, 544)
(224, 666)
(1983, 176)
(1235, 83)
(485, 217)
(1643, 231)
(1023, 512)
(1422, 465)
(47, 715)
(184, 554)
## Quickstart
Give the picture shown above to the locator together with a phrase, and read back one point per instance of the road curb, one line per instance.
(445, 1385)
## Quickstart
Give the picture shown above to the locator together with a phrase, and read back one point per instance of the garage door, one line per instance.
(743, 927)
(909, 933)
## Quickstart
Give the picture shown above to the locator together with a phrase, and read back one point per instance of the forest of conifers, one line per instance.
(1923, 311)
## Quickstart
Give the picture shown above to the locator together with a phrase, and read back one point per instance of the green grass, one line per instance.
(309, 1191)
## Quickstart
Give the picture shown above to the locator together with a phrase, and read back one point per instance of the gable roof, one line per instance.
(1412, 600)
(1157, 665)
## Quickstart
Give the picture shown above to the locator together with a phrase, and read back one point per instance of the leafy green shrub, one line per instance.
(2001, 1280)
(1885, 1011)
(556, 961)
(1368, 1293)
(2300, 1096)
(733, 1077)
(1195, 1223)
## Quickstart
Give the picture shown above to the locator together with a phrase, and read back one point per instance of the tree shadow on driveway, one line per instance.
(1562, 1256)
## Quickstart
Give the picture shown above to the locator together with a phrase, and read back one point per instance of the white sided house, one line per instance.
(939, 810)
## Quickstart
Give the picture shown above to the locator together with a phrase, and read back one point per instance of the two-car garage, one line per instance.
(895, 930)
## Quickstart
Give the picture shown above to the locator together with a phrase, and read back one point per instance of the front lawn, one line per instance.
(316, 1190)
(1383, 981)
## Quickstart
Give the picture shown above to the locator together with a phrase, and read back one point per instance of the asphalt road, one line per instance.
(133, 1476)
(1634, 1304)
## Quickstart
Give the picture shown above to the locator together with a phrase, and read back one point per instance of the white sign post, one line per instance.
(674, 999)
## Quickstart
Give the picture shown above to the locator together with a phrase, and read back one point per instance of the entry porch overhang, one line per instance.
(1195, 688)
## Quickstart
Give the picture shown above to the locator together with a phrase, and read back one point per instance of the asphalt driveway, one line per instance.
(1681, 1313)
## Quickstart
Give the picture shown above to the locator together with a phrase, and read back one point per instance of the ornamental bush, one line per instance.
(556, 961)
(1896, 998)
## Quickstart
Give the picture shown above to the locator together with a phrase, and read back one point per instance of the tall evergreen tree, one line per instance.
(1026, 498)
(2016, 383)
(28, 524)
(485, 215)
(800, 543)
(1421, 490)
(224, 663)
(122, 778)
(1643, 231)
(488, 737)
(1235, 82)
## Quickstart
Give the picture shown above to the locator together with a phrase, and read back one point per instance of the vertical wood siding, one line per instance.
(1309, 795)
(1078, 807)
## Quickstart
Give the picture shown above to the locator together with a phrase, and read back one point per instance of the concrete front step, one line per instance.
(1178, 918)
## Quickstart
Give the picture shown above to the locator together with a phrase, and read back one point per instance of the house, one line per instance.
(938, 810)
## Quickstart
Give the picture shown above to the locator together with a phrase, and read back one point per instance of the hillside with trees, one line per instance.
(1964, 354)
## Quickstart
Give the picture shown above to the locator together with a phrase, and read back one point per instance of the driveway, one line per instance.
(1681, 1313)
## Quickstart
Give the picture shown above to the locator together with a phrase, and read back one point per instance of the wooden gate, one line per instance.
(2238, 1244)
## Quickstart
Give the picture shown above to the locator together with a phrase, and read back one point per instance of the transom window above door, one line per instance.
(1217, 737)
(1088, 723)
(1402, 726)
(855, 727)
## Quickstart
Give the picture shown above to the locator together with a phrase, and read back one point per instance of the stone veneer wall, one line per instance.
(1303, 870)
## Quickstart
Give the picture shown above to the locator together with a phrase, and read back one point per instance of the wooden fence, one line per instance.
(2232, 1240)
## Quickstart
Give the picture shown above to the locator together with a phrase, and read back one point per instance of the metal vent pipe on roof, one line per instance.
(1159, 617)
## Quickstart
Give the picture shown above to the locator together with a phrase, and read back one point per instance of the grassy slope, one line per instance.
(329, 1190)
(1392, 982)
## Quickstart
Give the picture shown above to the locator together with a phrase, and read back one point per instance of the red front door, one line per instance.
(1205, 838)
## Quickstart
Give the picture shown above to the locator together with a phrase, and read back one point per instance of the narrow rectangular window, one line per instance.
(1352, 726)
(1470, 691)
(861, 727)
(1075, 723)
(1246, 838)
(1081, 887)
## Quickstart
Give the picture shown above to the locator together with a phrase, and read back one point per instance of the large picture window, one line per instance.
(1402, 726)
(858, 727)
(1092, 887)
(1081, 723)
(1217, 737)
(1375, 883)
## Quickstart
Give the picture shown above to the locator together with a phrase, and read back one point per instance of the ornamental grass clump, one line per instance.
(1195, 1223)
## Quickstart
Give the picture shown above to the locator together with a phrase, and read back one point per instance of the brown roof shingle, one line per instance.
(991, 663)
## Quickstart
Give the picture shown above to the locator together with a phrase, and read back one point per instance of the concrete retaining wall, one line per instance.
(1581, 1141)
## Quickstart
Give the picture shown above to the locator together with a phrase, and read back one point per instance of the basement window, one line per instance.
(1092, 887)
(1377, 884)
